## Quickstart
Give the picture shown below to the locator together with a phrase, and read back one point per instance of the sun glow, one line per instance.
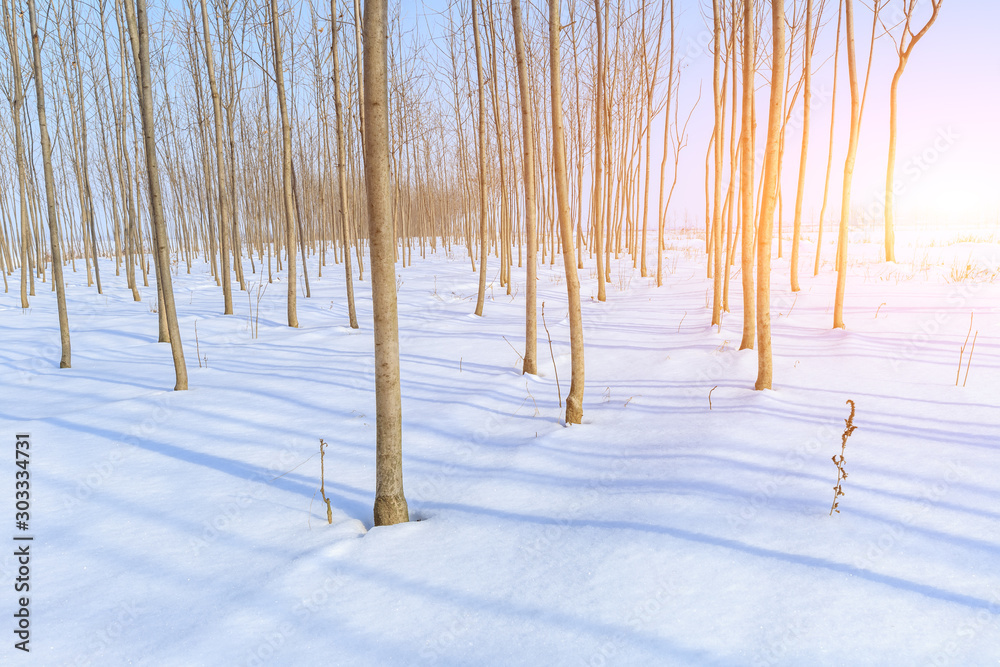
(953, 200)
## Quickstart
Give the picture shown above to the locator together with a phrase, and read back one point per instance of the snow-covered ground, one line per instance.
(686, 522)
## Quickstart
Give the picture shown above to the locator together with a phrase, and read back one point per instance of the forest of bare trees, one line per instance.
(266, 140)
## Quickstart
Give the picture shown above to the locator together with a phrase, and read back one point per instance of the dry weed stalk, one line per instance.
(961, 352)
(322, 482)
(969, 365)
(253, 314)
(552, 354)
(197, 346)
(839, 460)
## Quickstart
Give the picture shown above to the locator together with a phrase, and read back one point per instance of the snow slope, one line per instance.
(186, 528)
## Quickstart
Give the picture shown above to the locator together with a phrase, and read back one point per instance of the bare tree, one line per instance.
(877, 7)
(390, 503)
(852, 152)
(907, 40)
(501, 237)
(574, 400)
(598, 201)
(829, 151)
(342, 169)
(138, 29)
(807, 51)
(661, 210)
(651, 87)
(718, 141)
(360, 74)
(528, 170)
(50, 189)
(481, 136)
(291, 236)
(88, 198)
(746, 177)
(16, 97)
(770, 185)
(220, 163)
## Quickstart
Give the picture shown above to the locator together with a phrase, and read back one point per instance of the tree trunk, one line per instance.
(877, 7)
(800, 191)
(651, 86)
(291, 237)
(528, 170)
(718, 255)
(50, 189)
(84, 157)
(746, 179)
(10, 30)
(661, 211)
(731, 193)
(390, 503)
(574, 400)
(342, 171)
(598, 200)
(852, 151)
(890, 232)
(139, 33)
(904, 51)
(765, 230)
(358, 61)
(483, 249)
(829, 153)
(220, 163)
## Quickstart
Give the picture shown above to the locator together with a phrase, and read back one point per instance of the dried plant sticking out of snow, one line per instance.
(838, 461)
(961, 353)
(322, 481)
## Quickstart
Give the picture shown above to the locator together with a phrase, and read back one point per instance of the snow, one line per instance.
(186, 528)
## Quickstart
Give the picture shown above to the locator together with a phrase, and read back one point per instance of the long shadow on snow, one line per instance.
(600, 631)
(239, 469)
(690, 487)
(785, 411)
(772, 472)
(926, 590)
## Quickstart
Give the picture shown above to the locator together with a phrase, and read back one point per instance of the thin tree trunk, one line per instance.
(732, 195)
(291, 237)
(718, 255)
(361, 79)
(390, 503)
(84, 151)
(765, 230)
(574, 400)
(504, 203)
(904, 50)
(877, 7)
(829, 153)
(661, 211)
(852, 151)
(139, 33)
(651, 83)
(806, 103)
(301, 232)
(10, 29)
(342, 171)
(890, 232)
(598, 200)
(50, 189)
(483, 242)
(746, 179)
(528, 170)
(225, 205)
